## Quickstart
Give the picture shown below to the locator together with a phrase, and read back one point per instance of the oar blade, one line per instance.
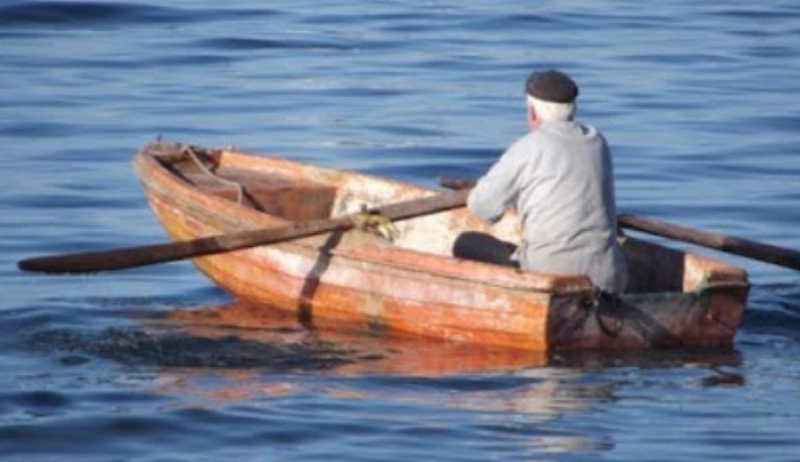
(109, 260)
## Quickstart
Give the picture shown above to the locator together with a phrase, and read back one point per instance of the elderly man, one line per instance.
(559, 179)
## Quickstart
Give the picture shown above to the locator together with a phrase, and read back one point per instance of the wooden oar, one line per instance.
(131, 257)
(767, 253)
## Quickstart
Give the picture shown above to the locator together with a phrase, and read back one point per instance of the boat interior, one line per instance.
(300, 192)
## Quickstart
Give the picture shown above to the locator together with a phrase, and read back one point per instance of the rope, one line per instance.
(233, 184)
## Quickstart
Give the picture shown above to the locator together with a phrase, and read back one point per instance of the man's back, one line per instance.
(559, 178)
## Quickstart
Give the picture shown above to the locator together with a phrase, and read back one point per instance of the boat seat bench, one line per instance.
(290, 198)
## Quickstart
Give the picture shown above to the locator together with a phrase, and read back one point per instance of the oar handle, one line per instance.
(454, 183)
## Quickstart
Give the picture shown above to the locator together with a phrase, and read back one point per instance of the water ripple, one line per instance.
(250, 44)
(82, 14)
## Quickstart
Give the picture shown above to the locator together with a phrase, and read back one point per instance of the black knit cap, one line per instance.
(553, 86)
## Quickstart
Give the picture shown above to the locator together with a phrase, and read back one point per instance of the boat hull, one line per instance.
(354, 280)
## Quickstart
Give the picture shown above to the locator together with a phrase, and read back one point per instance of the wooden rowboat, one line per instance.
(413, 285)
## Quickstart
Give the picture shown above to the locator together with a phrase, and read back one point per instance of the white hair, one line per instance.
(547, 110)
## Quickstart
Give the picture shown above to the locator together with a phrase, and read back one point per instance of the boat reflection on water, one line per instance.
(235, 354)
(349, 352)
(251, 351)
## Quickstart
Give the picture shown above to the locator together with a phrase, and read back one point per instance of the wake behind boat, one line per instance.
(412, 284)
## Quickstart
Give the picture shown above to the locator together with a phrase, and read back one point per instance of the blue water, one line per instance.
(700, 101)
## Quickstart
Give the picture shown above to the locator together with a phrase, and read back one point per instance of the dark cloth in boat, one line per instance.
(559, 179)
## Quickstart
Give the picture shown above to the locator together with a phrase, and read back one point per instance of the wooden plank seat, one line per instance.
(291, 198)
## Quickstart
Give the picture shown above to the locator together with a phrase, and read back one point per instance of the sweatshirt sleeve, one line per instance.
(497, 189)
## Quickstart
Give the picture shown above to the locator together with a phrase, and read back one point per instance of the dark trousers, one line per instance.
(472, 245)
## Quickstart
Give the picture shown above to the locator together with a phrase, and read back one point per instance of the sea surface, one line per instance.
(700, 101)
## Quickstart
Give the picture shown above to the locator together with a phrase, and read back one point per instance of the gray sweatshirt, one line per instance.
(559, 179)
